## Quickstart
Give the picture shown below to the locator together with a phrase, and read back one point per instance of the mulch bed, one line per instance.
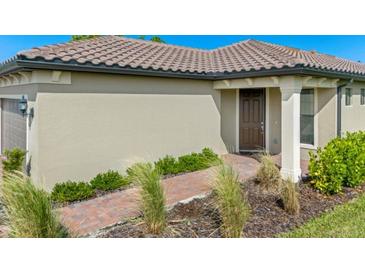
(200, 219)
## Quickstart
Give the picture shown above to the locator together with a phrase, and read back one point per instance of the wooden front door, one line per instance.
(251, 120)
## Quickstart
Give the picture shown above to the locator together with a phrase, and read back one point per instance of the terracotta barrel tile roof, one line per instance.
(249, 55)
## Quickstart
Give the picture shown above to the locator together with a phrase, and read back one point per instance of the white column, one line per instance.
(290, 127)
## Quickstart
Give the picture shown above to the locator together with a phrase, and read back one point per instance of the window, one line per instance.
(348, 99)
(362, 97)
(307, 116)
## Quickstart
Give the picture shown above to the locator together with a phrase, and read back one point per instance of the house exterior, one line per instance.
(109, 102)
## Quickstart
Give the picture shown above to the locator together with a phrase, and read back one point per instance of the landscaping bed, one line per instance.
(199, 217)
(70, 192)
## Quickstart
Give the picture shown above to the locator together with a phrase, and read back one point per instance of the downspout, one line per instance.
(339, 125)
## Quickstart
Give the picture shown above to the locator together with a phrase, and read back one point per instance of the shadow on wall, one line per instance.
(119, 84)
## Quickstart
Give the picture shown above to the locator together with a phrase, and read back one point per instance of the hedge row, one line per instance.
(76, 191)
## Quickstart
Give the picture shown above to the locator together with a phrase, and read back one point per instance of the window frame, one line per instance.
(362, 97)
(348, 97)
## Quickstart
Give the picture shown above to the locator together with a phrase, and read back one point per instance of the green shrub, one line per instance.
(231, 203)
(13, 160)
(188, 163)
(340, 163)
(268, 174)
(109, 181)
(71, 191)
(354, 158)
(28, 209)
(192, 162)
(167, 165)
(290, 196)
(210, 156)
(152, 194)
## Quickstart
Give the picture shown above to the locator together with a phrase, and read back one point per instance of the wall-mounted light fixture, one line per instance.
(23, 107)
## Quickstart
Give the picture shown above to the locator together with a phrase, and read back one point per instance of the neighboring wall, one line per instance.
(353, 117)
(103, 122)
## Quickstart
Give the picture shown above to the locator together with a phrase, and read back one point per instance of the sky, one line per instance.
(345, 46)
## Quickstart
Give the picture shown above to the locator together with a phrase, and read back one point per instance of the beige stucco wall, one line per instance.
(229, 119)
(103, 122)
(324, 121)
(274, 131)
(353, 117)
(325, 115)
(33, 143)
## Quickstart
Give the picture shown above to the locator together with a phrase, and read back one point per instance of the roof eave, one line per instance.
(299, 70)
(18, 65)
(29, 64)
(10, 67)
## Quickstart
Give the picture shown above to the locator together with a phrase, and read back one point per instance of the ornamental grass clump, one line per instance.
(268, 175)
(290, 196)
(231, 202)
(152, 196)
(28, 210)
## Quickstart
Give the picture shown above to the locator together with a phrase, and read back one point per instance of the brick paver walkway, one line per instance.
(88, 216)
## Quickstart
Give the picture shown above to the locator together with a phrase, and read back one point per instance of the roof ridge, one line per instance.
(162, 44)
(232, 44)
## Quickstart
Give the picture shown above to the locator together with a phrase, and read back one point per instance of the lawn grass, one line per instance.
(345, 221)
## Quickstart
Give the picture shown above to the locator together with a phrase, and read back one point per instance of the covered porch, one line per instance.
(286, 116)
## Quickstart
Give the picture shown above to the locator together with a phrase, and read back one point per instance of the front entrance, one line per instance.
(251, 120)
